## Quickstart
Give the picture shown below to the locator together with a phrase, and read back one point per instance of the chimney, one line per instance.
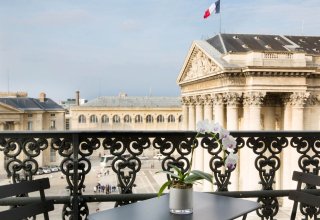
(77, 98)
(42, 97)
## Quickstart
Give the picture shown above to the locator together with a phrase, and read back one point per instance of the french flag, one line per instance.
(214, 8)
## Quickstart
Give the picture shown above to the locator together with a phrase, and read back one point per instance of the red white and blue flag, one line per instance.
(214, 8)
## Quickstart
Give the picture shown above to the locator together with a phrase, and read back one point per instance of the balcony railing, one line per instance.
(21, 150)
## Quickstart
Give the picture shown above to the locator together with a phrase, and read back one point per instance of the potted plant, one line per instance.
(181, 184)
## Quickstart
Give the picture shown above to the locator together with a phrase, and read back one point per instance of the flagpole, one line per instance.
(220, 17)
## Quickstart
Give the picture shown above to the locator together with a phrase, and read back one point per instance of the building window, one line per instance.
(9, 126)
(116, 119)
(29, 115)
(180, 119)
(138, 119)
(52, 115)
(52, 124)
(29, 128)
(160, 119)
(149, 119)
(171, 119)
(52, 155)
(82, 119)
(93, 119)
(127, 119)
(104, 119)
(68, 124)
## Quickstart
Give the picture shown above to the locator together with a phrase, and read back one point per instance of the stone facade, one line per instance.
(127, 113)
(21, 113)
(253, 82)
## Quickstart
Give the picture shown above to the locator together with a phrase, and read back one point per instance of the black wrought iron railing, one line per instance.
(21, 150)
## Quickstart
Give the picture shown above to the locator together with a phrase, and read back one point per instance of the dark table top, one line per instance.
(206, 206)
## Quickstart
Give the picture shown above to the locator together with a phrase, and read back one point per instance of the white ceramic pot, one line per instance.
(181, 200)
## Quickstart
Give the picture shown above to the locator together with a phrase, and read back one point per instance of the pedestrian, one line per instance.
(107, 189)
(102, 188)
(94, 189)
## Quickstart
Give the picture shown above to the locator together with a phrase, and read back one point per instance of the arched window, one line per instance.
(116, 119)
(180, 119)
(93, 119)
(171, 119)
(149, 119)
(127, 119)
(160, 119)
(104, 119)
(138, 119)
(82, 119)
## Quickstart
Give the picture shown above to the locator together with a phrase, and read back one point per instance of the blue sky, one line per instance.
(103, 47)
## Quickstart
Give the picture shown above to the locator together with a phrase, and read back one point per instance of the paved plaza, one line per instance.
(147, 182)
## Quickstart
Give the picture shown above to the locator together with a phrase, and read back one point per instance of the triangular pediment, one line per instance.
(198, 64)
(7, 109)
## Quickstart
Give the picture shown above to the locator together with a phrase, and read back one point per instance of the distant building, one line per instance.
(127, 113)
(71, 102)
(19, 113)
(253, 82)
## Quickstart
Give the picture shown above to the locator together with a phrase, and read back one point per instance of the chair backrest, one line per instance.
(36, 208)
(303, 197)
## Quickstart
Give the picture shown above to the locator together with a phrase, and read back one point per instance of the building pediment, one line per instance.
(198, 65)
(7, 109)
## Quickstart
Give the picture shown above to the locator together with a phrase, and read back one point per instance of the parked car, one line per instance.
(143, 157)
(54, 168)
(159, 156)
(40, 171)
(46, 170)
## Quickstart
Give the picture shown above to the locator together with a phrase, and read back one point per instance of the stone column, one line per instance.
(208, 108)
(1, 126)
(207, 187)
(270, 116)
(218, 109)
(297, 101)
(286, 112)
(191, 111)
(198, 162)
(249, 176)
(199, 101)
(17, 126)
(184, 113)
(232, 100)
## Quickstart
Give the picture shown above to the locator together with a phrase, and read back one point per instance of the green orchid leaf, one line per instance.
(178, 171)
(196, 175)
(192, 178)
(202, 174)
(169, 173)
(163, 187)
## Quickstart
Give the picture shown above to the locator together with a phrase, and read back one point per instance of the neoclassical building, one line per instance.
(253, 82)
(127, 113)
(18, 112)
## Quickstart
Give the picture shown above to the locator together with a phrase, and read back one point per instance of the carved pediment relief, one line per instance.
(199, 65)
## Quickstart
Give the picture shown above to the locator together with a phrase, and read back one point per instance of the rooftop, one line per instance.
(226, 43)
(134, 101)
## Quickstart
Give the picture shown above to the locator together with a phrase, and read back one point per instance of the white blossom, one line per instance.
(231, 161)
(203, 126)
(229, 143)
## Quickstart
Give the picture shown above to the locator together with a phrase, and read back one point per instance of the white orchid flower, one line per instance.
(223, 133)
(229, 143)
(231, 161)
(203, 126)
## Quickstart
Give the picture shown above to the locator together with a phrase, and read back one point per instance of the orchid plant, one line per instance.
(187, 179)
